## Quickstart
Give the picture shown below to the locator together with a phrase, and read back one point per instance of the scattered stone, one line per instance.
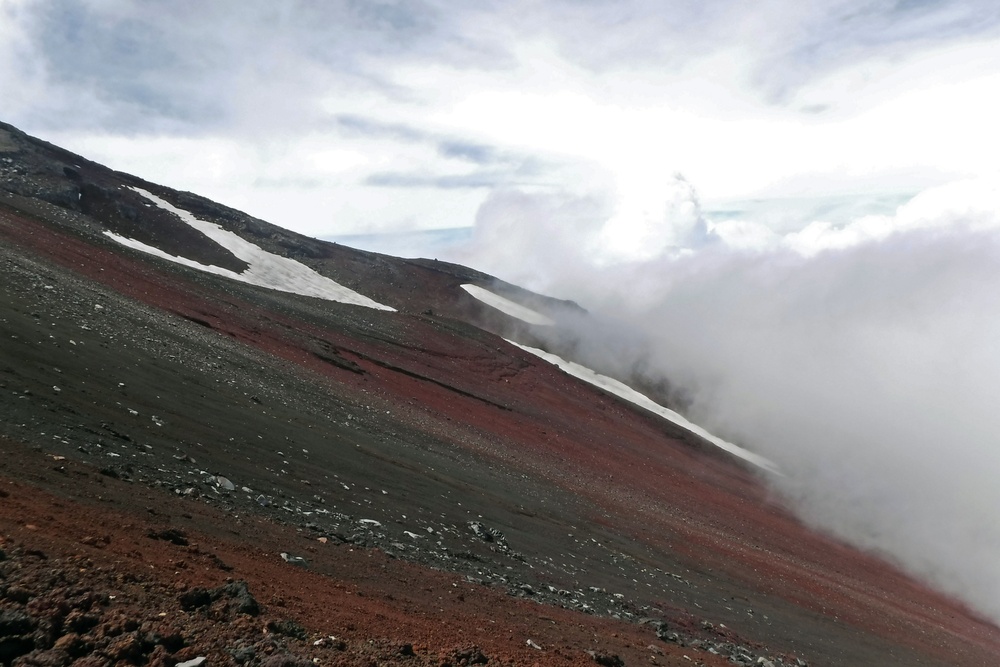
(172, 535)
(606, 659)
(487, 534)
(193, 662)
(331, 642)
(96, 542)
(479, 530)
(127, 647)
(288, 628)
(71, 644)
(240, 599)
(471, 655)
(223, 483)
(243, 654)
(298, 561)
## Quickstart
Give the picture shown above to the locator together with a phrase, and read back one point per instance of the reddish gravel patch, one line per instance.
(99, 535)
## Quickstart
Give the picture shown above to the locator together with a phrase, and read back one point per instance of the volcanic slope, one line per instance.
(404, 480)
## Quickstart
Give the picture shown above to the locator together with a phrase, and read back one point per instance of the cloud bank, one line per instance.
(864, 359)
(348, 117)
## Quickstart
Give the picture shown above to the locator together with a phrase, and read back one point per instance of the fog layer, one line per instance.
(863, 359)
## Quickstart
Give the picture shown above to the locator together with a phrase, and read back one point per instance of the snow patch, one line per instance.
(508, 307)
(266, 269)
(622, 390)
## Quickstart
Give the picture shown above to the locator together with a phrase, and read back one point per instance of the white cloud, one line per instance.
(861, 358)
(770, 99)
(18, 70)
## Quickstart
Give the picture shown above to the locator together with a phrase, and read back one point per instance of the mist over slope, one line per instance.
(863, 358)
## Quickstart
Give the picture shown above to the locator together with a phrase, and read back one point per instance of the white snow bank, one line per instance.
(266, 269)
(624, 391)
(508, 307)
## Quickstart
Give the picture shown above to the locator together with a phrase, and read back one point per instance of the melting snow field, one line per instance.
(606, 383)
(266, 269)
(622, 390)
(508, 307)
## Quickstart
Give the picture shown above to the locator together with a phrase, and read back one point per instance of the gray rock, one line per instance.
(223, 483)
(294, 560)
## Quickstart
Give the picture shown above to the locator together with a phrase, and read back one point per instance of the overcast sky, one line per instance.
(359, 116)
(789, 210)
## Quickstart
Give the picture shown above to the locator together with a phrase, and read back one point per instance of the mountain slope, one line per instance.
(263, 420)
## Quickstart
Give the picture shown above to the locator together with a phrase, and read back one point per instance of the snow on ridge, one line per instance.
(508, 307)
(266, 269)
(622, 390)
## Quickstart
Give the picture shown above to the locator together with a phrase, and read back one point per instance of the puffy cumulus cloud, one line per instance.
(653, 221)
(862, 358)
(529, 238)
(550, 238)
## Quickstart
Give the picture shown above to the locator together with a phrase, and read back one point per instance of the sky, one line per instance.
(789, 211)
(356, 117)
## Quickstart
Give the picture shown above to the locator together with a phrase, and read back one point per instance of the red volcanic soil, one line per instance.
(85, 531)
(452, 496)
